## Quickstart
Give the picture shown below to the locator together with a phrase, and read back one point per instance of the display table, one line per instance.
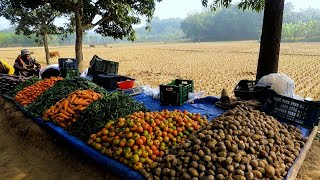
(204, 106)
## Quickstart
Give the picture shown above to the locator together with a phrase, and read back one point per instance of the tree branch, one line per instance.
(70, 4)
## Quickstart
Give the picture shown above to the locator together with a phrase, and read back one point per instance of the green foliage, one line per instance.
(116, 18)
(301, 31)
(161, 30)
(256, 5)
(224, 24)
(11, 39)
(31, 22)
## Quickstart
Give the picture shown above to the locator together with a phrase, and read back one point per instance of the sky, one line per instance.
(181, 8)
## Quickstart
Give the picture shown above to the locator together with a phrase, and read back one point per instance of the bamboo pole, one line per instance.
(296, 166)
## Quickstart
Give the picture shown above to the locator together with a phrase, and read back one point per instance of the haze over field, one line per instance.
(181, 8)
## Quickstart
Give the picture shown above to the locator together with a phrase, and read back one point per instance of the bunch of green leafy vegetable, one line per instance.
(112, 106)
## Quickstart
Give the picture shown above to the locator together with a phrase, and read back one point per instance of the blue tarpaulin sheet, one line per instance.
(204, 106)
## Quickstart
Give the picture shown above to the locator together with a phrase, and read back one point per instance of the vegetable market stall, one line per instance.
(203, 106)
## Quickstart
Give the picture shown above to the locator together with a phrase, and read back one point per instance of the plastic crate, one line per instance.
(68, 63)
(101, 66)
(176, 92)
(292, 111)
(246, 90)
(68, 73)
(109, 81)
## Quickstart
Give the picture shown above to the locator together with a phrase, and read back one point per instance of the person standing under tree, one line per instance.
(25, 65)
(6, 68)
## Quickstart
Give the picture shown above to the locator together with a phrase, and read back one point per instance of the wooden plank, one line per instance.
(297, 165)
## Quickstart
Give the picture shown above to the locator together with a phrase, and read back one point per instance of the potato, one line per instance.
(270, 171)
(257, 174)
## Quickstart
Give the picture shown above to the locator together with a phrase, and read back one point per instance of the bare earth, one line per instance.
(28, 152)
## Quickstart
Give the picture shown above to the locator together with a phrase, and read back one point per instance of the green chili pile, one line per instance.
(97, 114)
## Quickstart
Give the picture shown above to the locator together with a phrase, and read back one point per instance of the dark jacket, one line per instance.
(25, 67)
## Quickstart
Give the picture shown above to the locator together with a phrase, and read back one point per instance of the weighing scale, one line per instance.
(132, 91)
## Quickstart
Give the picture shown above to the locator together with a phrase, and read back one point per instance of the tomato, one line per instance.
(98, 140)
(137, 166)
(105, 131)
(98, 134)
(138, 152)
(160, 139)
(135, 147)
(144, 139)
(130, 142)
(153, 124)
(157, 121)
(175, 132)
(153, 157)
(129, 135)
(145, 126)
(98, 146)
(156, 142)
(140, 129)
(149, 142)
(145, 153)
(150, 129)
(156, 152)
(139, 141)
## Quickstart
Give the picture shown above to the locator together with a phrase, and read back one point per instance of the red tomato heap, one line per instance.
(140, 137)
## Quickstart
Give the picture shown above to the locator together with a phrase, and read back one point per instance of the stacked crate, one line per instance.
(105, 73)
(68, 67)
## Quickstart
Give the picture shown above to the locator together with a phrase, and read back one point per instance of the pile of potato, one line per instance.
(240, 144)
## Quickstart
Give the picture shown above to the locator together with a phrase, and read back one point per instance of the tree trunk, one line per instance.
(270, 38)
(79, 37)
(46, 48)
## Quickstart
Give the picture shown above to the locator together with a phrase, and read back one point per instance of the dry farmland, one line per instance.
(213, 66)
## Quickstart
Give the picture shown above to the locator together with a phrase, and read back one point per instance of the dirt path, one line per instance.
(28, 152)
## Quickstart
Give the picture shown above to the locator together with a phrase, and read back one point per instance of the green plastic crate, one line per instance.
(68, 73)
(101, 66)
(176, 92)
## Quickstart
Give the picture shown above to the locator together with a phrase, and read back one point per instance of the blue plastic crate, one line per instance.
(293, 111)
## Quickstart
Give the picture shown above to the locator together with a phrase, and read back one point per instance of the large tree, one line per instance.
(271, 30)
(33, 22)
(113, 18)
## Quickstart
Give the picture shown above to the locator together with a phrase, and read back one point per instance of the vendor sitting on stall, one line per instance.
(6, 68)
(25, 65)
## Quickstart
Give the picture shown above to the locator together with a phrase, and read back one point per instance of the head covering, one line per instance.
(24, 52)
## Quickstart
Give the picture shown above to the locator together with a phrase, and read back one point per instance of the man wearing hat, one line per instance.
(25, 65)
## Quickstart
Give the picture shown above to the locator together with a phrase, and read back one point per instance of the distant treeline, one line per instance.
(223, 25)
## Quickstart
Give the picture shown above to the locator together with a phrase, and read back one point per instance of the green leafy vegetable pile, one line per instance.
(97, 114)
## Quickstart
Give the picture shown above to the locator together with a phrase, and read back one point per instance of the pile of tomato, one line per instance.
(140, 138)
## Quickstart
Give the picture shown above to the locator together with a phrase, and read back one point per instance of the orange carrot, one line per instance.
(66, 104)
(63, 116)
(85, 96)
(77, 108)
(69, 110)
(73, 97)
